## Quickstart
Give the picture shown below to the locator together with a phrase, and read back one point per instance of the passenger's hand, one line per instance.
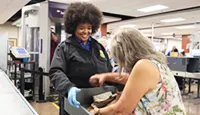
(94, 111)
(97, 80)
(108, 110)
(72, 97)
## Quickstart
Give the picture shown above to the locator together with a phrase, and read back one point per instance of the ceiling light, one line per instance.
(173, 20)
(171, 33)
(152, 8)
(62, 13)
(58, 11)
(185, 27)
(129, 25)
(147, 30)
(147, 35)
(167, 37)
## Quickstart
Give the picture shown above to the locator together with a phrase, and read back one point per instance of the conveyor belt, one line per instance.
(11, 100)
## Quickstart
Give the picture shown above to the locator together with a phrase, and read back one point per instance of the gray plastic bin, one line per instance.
(85, 97)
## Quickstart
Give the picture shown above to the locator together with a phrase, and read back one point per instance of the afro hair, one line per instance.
(81, 13)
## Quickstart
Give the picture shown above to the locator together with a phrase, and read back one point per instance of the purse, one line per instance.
(103, 99)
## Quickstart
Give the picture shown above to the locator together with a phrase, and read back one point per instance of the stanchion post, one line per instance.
(41, 94)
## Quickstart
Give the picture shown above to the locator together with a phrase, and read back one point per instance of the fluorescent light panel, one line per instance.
(147, 30)
(152, 8)
(171, 33)
(173, 20)
(185, 27)
(129, 25)
(167, 37)
(147, 35)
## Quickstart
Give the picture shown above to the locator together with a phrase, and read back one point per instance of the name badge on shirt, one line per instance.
(102, 54)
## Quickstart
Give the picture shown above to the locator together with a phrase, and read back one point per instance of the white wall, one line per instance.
(19, 36)
(4, 51)
(10, 29)
(13, 31)
(172, 42)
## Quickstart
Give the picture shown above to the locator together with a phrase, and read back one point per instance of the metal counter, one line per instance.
(11, 100)
(187, 74)
(190, 76)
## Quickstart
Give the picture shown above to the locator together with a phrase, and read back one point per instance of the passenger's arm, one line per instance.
(117, 77)
(143, 78)
(99, 79)
(58, 71)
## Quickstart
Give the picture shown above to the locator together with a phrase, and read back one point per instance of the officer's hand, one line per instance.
(72, 97)
(97, 80)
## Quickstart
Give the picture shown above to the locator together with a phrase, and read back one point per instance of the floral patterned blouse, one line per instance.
(165, 99)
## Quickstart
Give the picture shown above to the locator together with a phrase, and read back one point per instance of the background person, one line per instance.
(174, 49)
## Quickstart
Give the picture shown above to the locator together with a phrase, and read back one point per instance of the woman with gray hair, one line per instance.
(150, 87)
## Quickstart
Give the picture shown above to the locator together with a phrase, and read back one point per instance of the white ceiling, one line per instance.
(144, 20)
(9, 7)
(107, 19)
(129, 7)
(190, 17)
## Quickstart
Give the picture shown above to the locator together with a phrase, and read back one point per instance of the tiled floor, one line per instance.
(192, 105)
(45, 108)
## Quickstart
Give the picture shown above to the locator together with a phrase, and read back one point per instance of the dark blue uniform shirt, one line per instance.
(85, 46)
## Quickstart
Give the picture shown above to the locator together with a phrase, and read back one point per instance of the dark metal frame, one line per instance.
(22, 79)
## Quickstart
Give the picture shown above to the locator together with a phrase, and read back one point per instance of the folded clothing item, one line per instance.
(85, 96)
(103, 99)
